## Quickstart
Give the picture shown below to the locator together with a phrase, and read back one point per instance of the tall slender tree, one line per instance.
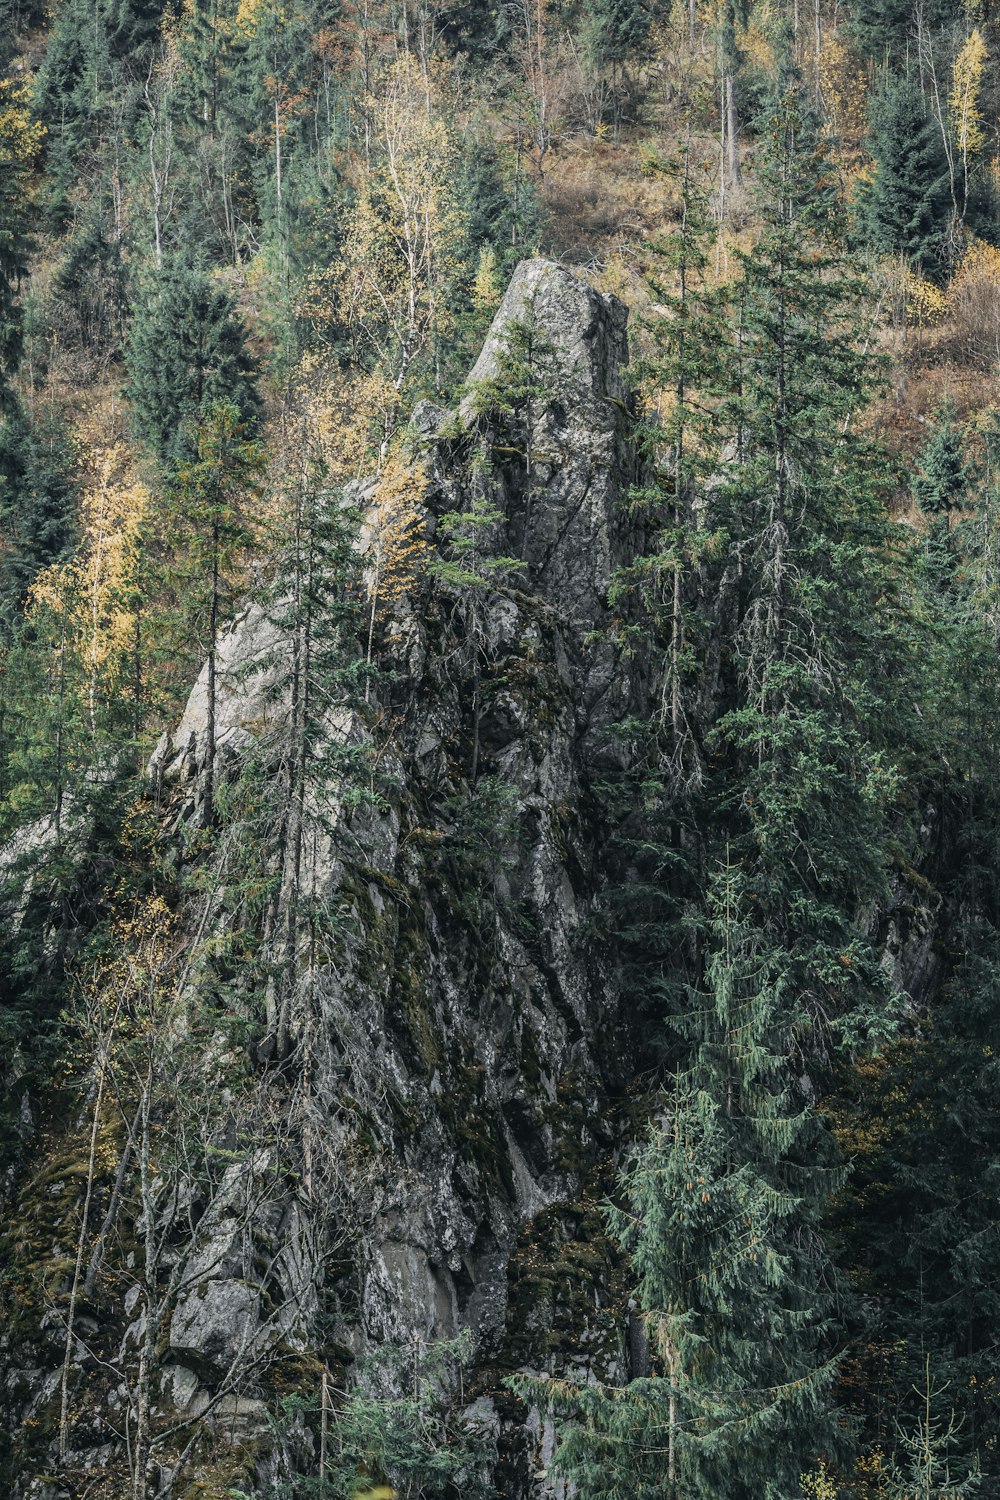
(722, 1209)
(213, 531)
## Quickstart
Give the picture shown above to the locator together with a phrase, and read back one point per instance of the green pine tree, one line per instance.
(939, 486)
(211, 536)
(722, 1211)
(17, 146)
(310, 768)
(941, 475)
(187, 350)
(906, 208)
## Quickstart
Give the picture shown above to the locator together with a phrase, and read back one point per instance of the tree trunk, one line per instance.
(208, 811)
(78, 1265)
(732, 132)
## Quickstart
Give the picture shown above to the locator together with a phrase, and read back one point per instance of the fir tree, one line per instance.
(721, 1226)
(18, 143)
(37, 498)
(939, 485)
(309, 770)
(723, 1211)
(887, 26)
(187, 350)
(212, 530)
(905, 208)
(941, 476)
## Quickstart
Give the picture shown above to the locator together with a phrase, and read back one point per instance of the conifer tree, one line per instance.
(685, 376)
(905, 208)
(722, 1209)
(919, 1216)
(939, 487)
(19, 139)
(720, 1223)
(921, 1223)
(211, 533)
(941, 472)
(307, 773)
(187, 350)
(612, 32)
(37, 497)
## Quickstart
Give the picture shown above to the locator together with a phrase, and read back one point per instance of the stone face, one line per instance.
(213, 1324)
(249, 660)
(566, 518)
(467, 1019)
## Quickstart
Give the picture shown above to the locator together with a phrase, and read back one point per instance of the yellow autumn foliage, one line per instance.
(817, 1484)
(20, 135)
(345, 417)
(964, 99)
(843, 82)
(486, 289)
(398, 548)
(94, 596)
(137, 964)
(979, 262)
(404, 235)
(925, 303)
(250, 14)
(974, 305)
(756, 38)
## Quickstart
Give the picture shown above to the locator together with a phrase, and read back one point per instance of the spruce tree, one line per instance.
(186, 351)
(919, 1218)
(939, 487)
(941, 474)
(886, 27)
(720, 1223)
(722, 1210)
(905, 208)
(309, 770)
(18, 142)
(37, 499)
(211, 535)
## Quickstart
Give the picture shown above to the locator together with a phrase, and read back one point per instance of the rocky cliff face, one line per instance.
(461, 1051)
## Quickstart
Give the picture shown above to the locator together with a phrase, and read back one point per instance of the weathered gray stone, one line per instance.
(466, 1003)
(213, 1324)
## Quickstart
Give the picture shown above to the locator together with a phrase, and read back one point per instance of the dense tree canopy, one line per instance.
(242, 244)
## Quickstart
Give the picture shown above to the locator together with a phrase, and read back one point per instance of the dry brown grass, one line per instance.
(922, 376)
(602, 202)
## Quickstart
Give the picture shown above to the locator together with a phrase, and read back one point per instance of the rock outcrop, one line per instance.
(467, 1018)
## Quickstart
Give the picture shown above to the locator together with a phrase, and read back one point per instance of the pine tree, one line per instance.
(905, 208)
(941, 476)
(919, 1218)
(885, 27)
(721, 1226)
(186, 351)
(402, 1423)
(939, 486)
(19, 139)
(611, 34)
(684, 376)
(309, 770)
(722, 1211)
(37, 501)
(211, 533)
(808, 725)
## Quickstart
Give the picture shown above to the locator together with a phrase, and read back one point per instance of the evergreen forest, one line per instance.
(499, 730)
